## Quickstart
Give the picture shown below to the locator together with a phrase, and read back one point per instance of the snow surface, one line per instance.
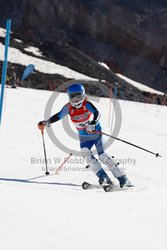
(18, 40)
(34, 50)
(16, 56)
(54, 212)
(140, 85)
(104, 65)
(2, 32)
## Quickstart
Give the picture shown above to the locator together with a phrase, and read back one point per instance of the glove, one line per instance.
(90, 129)
(42, 124)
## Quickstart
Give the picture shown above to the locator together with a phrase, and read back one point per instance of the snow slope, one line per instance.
(140, 86)
(53, 212)
(41, 65)
(44, 66)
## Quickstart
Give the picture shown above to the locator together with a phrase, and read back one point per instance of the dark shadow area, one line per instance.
(37, 182)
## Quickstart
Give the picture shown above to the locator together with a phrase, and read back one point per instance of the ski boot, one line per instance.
(103, 178)
(124, 182)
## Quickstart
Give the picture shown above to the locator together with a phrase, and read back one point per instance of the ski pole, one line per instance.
(102, 133)
(65, 160)
(44, 149)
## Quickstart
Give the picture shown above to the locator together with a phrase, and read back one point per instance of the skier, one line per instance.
(81, 111)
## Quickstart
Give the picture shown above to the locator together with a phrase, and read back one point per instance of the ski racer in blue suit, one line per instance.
(81, 112)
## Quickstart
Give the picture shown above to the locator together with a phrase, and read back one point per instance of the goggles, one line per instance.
(76, 97)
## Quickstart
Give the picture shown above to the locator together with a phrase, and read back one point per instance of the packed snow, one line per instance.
(140, 85)
(41, 65)
(18, 40)
(34, 50)
(2, 32)
(104, 65)
(53, 212)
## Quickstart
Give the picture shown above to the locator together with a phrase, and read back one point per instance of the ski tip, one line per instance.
(85, 185)
(108, 188)
(158, 155)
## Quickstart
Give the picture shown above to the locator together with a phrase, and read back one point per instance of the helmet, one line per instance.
(76, 94)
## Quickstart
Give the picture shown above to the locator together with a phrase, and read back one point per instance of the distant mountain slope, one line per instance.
(51, 73)
(130, 36)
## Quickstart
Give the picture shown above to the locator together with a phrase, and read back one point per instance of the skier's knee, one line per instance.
(110, 163)
(91, 160)
(86, 153)
(105, 159)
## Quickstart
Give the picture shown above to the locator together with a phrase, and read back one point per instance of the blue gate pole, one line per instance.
(4, 69)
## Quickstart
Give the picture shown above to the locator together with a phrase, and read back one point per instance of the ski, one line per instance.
(105, 187)
(108, 188)
(86, 185)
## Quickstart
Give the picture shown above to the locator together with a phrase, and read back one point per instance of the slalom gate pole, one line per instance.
(44, 149)
(102, 133)
(4, 69)
(113, 113)
(65, 160)
(109, 114)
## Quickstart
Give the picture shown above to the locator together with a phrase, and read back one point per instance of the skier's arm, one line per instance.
(94, 111)
(58, 116)
(91, 128)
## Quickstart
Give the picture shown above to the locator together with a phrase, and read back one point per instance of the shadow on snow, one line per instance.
(30, 181)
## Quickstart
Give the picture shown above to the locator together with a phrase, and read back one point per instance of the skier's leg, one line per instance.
(95, 165)
(116, 171)
(109, 162)
(106, 160)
